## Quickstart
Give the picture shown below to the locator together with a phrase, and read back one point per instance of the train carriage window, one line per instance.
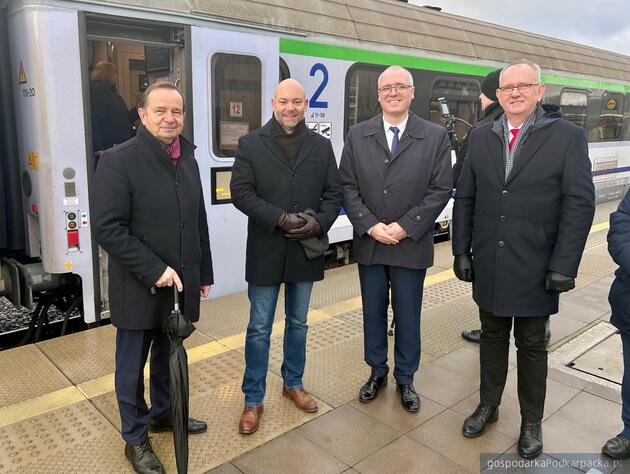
(574, 104)
(611, 116)
(361, 93)
(236, 93)
(463, 102)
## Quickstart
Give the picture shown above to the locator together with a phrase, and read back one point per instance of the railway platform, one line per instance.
(58, 412)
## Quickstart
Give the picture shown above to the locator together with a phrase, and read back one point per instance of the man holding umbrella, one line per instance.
(148, 214)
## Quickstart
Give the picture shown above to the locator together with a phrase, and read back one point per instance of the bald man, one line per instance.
(285, 179)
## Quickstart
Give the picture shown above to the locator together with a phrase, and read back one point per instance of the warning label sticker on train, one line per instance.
(21, 75)
(33, 160)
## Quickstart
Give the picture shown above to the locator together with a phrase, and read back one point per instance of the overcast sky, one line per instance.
(600, 23)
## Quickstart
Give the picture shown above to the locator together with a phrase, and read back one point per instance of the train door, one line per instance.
(233, 77)
(122, 57)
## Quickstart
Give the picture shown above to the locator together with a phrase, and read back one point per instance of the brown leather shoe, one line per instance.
(301, 399)
(250, 419)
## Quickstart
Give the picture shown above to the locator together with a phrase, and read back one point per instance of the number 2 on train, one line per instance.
(315, 103)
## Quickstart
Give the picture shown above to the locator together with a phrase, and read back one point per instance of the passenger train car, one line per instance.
(226, 58)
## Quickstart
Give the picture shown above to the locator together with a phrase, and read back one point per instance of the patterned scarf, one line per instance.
(174, 151)
(511, 153)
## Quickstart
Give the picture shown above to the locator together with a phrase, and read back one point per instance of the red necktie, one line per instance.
(514, 134)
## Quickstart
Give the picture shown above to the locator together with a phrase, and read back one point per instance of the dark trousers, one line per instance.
(406, 285)
(625, 385)
(531, 357)
(132, 350)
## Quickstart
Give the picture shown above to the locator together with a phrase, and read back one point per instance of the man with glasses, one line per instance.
(396, 176)
(523, 209)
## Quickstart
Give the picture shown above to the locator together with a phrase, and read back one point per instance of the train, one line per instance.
(226, 58)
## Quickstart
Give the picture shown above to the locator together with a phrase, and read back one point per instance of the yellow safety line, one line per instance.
(100, 386)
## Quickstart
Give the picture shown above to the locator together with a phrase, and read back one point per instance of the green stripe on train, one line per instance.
(345, 53)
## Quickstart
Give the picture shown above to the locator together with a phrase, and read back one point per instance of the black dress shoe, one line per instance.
(617, 447)
(166, 424)
(370, 389)
(474, 335)
(530, 441)
(143, 459)
(408, 397)
(477, 423)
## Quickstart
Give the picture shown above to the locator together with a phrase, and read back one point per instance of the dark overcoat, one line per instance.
(411, 188)
(263, 185)
(619, 249)
(536, 221)
(110, 118)
(147, 214)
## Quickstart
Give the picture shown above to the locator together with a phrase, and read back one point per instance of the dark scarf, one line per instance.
(289, 143)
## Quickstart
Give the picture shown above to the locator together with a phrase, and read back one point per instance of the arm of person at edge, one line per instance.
(205, 267)
(576, 217)
(362, 219)
(110, 222)
(619, 235)
(243, 191)
(463, 214)
(420, 219)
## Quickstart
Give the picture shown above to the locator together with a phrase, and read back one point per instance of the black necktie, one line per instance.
(395, 140)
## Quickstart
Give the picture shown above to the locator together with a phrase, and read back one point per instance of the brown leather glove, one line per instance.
(290, 221)
(312, 228)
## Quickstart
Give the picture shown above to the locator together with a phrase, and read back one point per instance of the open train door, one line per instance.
(234, 75)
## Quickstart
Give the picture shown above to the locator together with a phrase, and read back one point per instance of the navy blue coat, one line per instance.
(619, 249)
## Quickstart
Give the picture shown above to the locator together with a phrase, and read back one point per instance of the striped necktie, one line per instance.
(514, 134)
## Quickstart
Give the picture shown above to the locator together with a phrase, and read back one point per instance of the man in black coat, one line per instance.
(396, 176)
(148, 214)
(285, 179)
(619, 299)
(523, 209)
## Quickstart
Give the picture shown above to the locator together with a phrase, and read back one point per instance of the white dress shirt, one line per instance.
(390, 135)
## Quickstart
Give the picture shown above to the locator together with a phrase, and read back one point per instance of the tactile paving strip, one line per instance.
(26, 373)
(74, 439)
(597, 261)
(229, 315)
(335, 287)
(596, 238)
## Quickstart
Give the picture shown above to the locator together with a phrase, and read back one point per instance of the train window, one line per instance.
(220, 181)
(573, 104)
(463, 102)
(236, 92)
(611, 116)
(361, 93)
(284, 70)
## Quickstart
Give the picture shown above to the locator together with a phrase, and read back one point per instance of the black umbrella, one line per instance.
(178, 328)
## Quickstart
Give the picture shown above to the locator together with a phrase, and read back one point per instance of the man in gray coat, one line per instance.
(396, 176)
(523, 209)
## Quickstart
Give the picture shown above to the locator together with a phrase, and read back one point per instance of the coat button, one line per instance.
(502, 218)
(386, 161)
(294, 205)
(176, 184)
(501, 243)
(181, 225)
(385, 191)
(418, 218)
(360, 214)
(504, 192)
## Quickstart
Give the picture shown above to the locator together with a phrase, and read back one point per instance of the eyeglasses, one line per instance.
(397, 87)
(521, 88)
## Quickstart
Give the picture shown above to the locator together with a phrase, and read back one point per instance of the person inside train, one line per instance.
(397, 178)
(153, 225)
(619, 299)
(523, 210)
(111, 122)
(285, 180)
(492, 110)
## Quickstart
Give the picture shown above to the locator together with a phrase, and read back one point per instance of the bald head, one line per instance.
(398, 72)
(289, 104)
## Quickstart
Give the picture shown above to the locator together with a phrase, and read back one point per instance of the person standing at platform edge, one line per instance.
(523, 209)
(619, 299)
(396, 176)
(148, 213)
(285, 179)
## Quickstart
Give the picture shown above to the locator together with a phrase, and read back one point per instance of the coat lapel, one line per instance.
(307, 146)
(268, 140)
(495, 145)
(414, 130)
(377, 130)
(527, 150)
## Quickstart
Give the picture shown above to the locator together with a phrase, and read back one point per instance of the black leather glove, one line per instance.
(312, 228)
(290, 221)
(558, 282)
(462, 266)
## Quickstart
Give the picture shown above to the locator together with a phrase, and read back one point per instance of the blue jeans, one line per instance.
(263, 301)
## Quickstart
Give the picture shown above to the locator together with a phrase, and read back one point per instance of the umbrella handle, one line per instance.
(176, 297)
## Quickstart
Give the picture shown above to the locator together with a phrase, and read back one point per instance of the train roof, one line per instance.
(398, 24)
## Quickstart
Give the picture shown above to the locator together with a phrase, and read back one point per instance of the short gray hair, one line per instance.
(527, 62)
(395, 69)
